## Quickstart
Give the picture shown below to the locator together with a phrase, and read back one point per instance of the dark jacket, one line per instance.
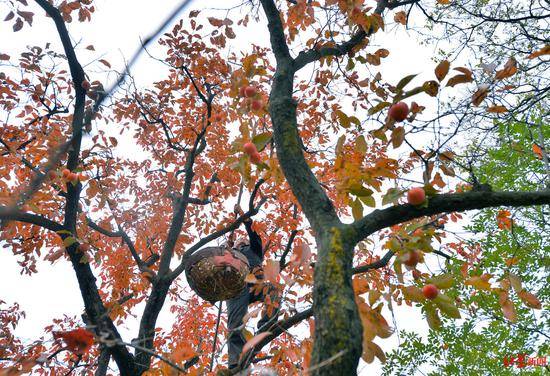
(253, 252)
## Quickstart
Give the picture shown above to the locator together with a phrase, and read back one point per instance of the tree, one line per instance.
(482, 342)
(127, 222)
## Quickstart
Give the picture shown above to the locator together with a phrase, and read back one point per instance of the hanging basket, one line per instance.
(216, 273)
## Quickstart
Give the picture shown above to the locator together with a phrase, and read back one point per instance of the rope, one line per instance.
(216, 337)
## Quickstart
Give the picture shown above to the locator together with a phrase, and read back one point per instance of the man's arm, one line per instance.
(255, 240)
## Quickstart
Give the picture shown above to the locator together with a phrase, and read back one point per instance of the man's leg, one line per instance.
(271, 307)
(236, 310)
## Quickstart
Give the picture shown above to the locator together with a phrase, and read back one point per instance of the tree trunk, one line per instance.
(338, 331)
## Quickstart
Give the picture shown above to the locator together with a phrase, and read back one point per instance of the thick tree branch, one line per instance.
(95, 309)
(13, 214)
(445, 203)
(315, 203)
(276, 32)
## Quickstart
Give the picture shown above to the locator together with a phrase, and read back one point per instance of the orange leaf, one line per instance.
(503, 219)
(509, 310)
(529, 299)
(271, 270)
(480, 95)
(400, 17)
(442, 69)
(510, 68)
(497, 109)
(459, 79)
(543, 51)
(252, 342)
(537, 150)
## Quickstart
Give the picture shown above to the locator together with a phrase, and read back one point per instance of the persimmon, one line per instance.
(66, 173)
(241, 91)
(52, 174)
(84, 247)
(249, 148)
(86, 85)
(412, 258)
(430, 291)
(256, 158)
(399, 111)
(73, 178)
(257, 105)
(416, 196)
(250, 91)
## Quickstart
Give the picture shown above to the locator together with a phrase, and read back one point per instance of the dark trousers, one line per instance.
(236, 310)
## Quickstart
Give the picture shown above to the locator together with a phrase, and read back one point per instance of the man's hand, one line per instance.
(238, 210)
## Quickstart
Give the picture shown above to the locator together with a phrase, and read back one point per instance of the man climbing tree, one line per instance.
(237, 307)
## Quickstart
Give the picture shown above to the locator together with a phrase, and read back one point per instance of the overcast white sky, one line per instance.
(115, 31)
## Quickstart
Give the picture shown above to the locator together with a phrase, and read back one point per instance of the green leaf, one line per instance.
(359, 190)
(368, 200)
(340, 144)
(430, 190)
(379, 107)
(391, 196)
(442, 281)
(343, 119)
(361, 145)
(69, 240)
(354, 120)
(515, 281)
(357, 209)
(447, 306)
(433, 318)
(261, 140)
(404, 81)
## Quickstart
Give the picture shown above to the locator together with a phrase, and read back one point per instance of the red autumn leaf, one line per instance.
(79, 341)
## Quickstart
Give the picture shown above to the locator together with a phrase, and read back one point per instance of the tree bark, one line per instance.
(338, 331)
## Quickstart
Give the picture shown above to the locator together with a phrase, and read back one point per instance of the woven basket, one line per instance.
(216, 273)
